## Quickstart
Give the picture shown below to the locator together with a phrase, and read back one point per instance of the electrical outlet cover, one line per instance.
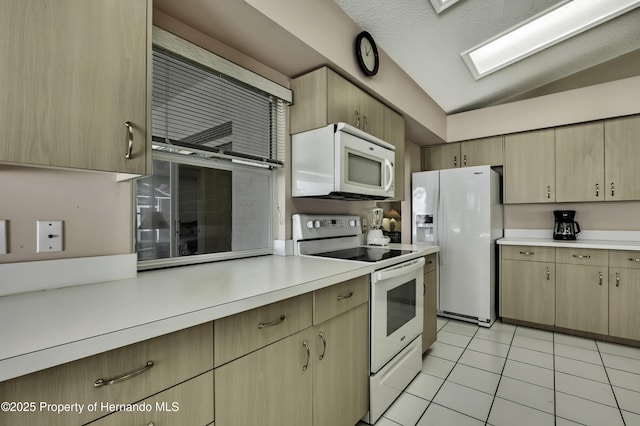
(49, 236)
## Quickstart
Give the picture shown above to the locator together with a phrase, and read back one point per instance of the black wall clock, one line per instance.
(367, 54)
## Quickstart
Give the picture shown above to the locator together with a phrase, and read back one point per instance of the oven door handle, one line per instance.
(399, 270)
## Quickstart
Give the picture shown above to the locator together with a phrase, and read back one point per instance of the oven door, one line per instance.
(363, 167)
(397, 309)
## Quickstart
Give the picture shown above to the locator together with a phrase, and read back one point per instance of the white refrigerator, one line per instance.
(460, 210)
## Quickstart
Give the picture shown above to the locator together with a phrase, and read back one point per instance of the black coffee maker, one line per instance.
(565, 228)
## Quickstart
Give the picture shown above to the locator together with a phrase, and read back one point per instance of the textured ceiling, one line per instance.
(428, 46)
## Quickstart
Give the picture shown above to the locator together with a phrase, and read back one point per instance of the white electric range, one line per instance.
(396, 301)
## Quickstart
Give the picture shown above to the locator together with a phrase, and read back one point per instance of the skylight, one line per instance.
(440, 5)
(542, 31)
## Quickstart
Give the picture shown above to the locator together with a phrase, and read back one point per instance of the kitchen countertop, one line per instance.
(605, 240)
(46, 328)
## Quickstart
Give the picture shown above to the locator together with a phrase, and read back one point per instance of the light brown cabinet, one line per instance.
(579, 154)
(394, 134)
(529, 169)
(175, 357)
(624, 294)
(429, 325)
(475, 152)
(622, 150)
(527, 284)
(582, 298)
(73, 73)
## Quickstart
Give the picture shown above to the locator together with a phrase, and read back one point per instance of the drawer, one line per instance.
(333, 301)
(624, 259)
(531, 253)
(189, 403)
(430, 262)
(582, 256)
(239, 334)
(176, 357)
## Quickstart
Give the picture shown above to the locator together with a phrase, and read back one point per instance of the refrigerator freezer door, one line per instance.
(466, 284)
(425, 195)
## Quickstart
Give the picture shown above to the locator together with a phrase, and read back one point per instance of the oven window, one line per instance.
(401, 306)
(363, 170)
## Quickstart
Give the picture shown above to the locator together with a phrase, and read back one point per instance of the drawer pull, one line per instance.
(582, 256)
(617, 279)
(548, 192)
(455, 161)
(305, 344)
(345, 296)
(613, 190)
(631, 259)
(430, 262)
(129, 149)
(105, 382)
(324, 345)
(271, 323)
(601, 278)
(597, 190)
(527, 253)
(548, 274)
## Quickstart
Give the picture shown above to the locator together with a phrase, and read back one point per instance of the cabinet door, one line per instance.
(438, 157)
(189, 403)
(624, 294)
(73, 72)
(343, 101)
(270, 387)
(480, 152)
(527, 291)
(580, 162)
(341, 370)
(394, 134)
(429, 325)
(582, 296)
(622, 148)
(529, 169)
(372, 115)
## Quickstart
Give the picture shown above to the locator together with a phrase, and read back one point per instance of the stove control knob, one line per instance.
(352, 223)
(309, 224)
(316, 224)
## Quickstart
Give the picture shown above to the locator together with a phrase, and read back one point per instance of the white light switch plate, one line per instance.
(3, 237)
(49, 236)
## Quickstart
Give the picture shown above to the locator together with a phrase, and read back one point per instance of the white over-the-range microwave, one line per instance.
(342, 162)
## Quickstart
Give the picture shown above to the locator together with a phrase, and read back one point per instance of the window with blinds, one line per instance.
(216, 142)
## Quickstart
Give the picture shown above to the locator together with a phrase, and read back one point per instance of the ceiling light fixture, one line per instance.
(440, 5)
(542, 31)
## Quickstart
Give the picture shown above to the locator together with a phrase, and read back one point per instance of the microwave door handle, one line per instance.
(400, 270)
(389, 168)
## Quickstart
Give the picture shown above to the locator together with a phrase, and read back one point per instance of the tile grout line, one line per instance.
(606, 372)
(501, 373)
(555, 405)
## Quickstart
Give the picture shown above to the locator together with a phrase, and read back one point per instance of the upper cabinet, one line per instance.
(529, 170)
(579, 162)
(622, 148)
(475, 152)
(75, 84)
(324, 97)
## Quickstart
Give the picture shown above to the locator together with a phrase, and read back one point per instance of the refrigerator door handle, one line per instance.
(440, 227)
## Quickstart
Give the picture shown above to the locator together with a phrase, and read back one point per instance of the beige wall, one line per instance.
(96, 211)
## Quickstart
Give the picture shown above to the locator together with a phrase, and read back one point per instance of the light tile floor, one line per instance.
(512, 375)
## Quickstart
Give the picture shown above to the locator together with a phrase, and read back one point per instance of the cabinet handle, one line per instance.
(424, 289)
(105, 382)
(613, 189)
(464, 159)
(601, 278)
(582, 256)
(548, 192)
(345, 296)
(527, 253)
(597, 190)
(455, 161)
(129, 127)
(356, 114)
(617, 279)
(430, 262)
(305, 344)
(365, 123)
(271, 323)
(324, 345)
(548, 274)
(631, 259)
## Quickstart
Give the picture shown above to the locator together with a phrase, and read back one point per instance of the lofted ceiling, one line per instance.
(428, 45)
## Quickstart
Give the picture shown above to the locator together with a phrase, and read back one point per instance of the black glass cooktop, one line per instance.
(364, 254)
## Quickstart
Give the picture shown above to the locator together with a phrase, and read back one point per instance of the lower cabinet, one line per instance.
(528, 291)
(582, 298)
(429, 325)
